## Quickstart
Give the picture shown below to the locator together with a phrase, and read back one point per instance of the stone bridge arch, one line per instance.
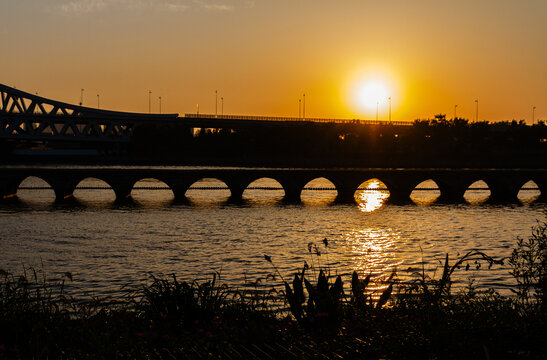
(426, 192)
(33, 181)
(210, 183)
(269, 184)
(316, 190)
(92, 181)
(154, 185)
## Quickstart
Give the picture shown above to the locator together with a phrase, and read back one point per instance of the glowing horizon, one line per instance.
(262, 57)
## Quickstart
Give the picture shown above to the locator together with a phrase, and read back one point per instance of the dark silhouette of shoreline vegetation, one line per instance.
(314, 315)
(437, 142)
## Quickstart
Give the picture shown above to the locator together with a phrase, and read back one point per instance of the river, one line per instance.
(109, 247)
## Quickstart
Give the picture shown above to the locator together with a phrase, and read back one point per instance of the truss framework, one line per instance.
(30, 117)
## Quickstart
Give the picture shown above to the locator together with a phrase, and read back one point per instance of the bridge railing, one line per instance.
(294, 119)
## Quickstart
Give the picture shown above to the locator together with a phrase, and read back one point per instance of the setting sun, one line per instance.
(371, 89)
(370, 94)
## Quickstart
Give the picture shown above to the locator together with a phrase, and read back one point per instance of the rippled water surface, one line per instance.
(107, 246)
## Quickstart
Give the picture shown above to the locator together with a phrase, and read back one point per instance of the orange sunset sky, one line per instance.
(262, 55)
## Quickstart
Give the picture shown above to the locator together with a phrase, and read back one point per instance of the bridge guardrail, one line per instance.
(293, 119)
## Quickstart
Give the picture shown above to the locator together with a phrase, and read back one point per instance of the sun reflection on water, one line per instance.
(372, 197)
(374, 252)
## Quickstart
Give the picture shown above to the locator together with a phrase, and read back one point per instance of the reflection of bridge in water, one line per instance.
(504, 184)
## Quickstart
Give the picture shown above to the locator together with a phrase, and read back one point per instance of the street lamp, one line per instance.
(216, 102)
(149, 101)
(303, 106)
(533, 113)
(160, 103)
(389, 98)
(98, 102)
(455, 109)
(477, 113)
(222, 105)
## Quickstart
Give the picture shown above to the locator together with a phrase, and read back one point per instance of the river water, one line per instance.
(109, 247)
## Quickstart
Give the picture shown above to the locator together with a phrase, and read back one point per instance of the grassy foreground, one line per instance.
(314, 316)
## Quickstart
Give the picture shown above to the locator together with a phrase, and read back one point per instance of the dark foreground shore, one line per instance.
(309, 315)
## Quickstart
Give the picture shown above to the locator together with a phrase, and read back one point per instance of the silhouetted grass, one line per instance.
(313, 316)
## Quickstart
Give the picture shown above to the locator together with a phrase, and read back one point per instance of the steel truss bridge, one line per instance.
(25, 116)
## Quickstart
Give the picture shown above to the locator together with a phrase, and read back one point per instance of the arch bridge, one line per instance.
(504, 184)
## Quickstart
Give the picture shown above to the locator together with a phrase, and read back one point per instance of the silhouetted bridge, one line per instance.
(504, 184)
(25, 116)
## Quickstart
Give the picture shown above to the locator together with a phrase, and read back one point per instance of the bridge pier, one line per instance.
(346, 187)
(542, 185)
(452, 191)
(236, 192)
(8, 187)
(292, 195)
(63, 186)
(122, 188)
(400, 187)
(345, 195)
(504, 190)
(400, 195)
(179, 192)
(179, 186)
(293, 185)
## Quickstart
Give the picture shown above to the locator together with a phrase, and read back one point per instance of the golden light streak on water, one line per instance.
(373, 197)
(374, 252)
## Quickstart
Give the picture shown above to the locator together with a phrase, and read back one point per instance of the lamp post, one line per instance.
(222, 105)
(149, 101)
(216, 102)
(82, 97)
(455, 111)
(389, 98)
(533, 114)
(477, 113)
(299, 108)
(303, 106)
(98, 102)
(160, 103)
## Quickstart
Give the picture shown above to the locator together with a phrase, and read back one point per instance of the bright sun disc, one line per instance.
(370, 94)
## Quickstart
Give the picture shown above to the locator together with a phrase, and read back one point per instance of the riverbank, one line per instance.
(315, 315)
